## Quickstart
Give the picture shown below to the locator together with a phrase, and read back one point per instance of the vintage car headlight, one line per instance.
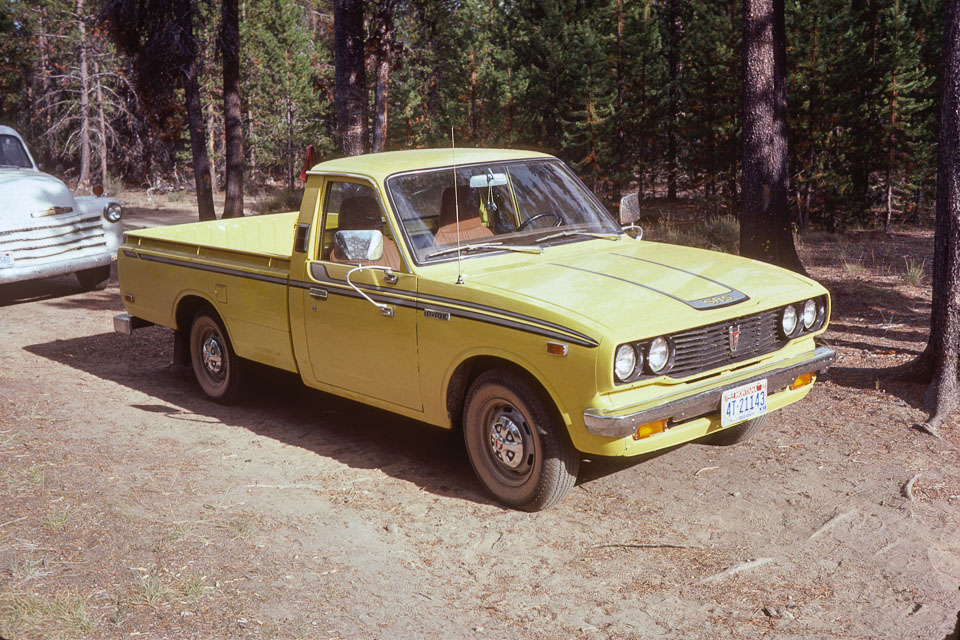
(658, 355)
(821, 313)
(112, 212)
(625, 362)
(788, 320)
(809, 314)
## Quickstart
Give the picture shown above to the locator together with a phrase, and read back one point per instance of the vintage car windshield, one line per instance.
(12, 153)
(504, 205)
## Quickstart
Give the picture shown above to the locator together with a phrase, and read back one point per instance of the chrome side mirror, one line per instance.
(629, 209)
(362, 245)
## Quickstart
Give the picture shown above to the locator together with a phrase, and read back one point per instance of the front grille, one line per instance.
(706, 348)
(39, 243)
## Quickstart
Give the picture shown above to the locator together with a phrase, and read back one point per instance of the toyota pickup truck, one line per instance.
(487, 291)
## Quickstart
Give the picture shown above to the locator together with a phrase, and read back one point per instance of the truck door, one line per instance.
(354, 345)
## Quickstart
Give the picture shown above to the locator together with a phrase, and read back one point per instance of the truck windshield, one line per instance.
(12, 153)
(506, 204)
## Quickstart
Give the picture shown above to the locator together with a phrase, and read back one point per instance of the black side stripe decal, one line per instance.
(702, 303)
(388, 296)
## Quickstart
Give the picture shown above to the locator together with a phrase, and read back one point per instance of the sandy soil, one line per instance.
(130, 506)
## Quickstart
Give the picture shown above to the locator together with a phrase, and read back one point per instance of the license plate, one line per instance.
(743, 403)
(6, 260)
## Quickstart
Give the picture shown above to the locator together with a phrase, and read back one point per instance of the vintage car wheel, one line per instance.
(215, 365)
(739, 433)
(94, 279)
(518, 449)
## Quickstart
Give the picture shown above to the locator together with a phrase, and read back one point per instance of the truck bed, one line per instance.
(265, 235)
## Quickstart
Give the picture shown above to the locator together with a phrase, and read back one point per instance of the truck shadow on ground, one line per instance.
(278, 406)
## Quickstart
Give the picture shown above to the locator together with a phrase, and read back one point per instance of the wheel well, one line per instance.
(187, 309)
(469, 370)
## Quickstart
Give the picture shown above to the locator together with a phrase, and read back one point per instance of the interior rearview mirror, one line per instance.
(362, 245)
(488, 179)
(629, 209)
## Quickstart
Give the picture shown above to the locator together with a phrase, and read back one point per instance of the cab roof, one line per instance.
(380, 165)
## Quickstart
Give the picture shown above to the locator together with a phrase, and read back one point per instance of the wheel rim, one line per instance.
(211, 356)
(508, 443)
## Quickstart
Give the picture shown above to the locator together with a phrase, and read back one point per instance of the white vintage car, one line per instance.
(45, 230)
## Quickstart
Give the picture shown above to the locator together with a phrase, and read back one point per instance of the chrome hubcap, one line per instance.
(506, 442)
(212, 355)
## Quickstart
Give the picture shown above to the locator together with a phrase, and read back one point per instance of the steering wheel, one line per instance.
(527, 222)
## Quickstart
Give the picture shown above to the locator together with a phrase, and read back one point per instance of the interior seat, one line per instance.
(363, 213)
(471, 225)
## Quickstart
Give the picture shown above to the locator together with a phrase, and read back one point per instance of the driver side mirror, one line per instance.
(629, 209)
(362, 245)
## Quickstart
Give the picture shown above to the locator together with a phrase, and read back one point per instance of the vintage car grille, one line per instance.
(710, 347)
(58, 238)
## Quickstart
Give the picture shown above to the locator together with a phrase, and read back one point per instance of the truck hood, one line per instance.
(28, 194)
(650, 288)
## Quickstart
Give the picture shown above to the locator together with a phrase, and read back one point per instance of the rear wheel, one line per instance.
(517, 447)
(739, 433)
(215, 365)
(94, 279)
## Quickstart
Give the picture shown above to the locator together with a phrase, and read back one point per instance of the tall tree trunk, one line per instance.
(384, 22)
(674, 69)
(83, 185)
(232, 124)
(765, 232)
(939, 361)
(212, 147)
(351, 79)
(98, 82)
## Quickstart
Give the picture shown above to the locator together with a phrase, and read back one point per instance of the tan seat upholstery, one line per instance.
(363, 213)
(471, 226)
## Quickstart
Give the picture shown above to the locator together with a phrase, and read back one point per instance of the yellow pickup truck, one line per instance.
(488, 291)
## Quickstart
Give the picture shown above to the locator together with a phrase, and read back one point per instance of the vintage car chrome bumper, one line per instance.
(779, 374)
(126, 323)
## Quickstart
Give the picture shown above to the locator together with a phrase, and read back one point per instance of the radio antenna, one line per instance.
(456, 206)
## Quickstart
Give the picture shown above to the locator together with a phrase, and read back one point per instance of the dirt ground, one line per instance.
(130, 506)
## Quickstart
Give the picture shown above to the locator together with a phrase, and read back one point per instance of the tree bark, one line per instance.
(939, 361)
(674, 69)
(232, 124)
(350, 71)
(384, 22)
(765, 232)
(83, 185)
(98, 79)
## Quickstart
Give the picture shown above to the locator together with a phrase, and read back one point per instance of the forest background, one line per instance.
(638, 96)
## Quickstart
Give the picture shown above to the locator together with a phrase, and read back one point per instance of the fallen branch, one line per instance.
(310, 487)
(840, 517)
(12, 521)
(640, 545)
(907, 489)
(704, 470)
(732, 571)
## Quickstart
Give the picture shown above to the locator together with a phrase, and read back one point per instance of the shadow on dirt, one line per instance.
(62, 291)
(277, 405)
(867, 378)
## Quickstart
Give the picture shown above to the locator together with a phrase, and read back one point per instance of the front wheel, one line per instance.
(517, 447)
(738, 433)
(215, 365)
(94, 279)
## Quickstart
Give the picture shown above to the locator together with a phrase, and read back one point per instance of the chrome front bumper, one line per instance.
(779, 374)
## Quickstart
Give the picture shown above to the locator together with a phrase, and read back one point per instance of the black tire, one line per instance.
(94, 279)
(215, 365)
(739, 433)
(517, 446)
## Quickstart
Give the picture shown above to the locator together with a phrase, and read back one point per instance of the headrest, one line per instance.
(469, 205)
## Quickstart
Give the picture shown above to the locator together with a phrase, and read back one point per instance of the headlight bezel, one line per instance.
(637, 364)
(113, 212)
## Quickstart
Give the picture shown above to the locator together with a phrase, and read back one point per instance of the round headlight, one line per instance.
(625, 362)
(821, 313)
(658, 356)
(809, 314)
(112, 212)
(788, 320)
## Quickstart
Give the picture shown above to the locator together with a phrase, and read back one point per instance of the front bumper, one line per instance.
(622, 422)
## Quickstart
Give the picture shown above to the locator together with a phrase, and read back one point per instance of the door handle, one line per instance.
(318, 293)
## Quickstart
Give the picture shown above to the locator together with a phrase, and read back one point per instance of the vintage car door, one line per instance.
(355, 345)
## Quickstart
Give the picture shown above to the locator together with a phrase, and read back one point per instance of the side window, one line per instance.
(347, 205)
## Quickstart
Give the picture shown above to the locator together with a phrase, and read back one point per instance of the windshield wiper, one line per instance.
(482, 246)
(575, 232)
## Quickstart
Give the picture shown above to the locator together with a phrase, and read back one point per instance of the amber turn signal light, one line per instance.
(649, 429)
(802, 381)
